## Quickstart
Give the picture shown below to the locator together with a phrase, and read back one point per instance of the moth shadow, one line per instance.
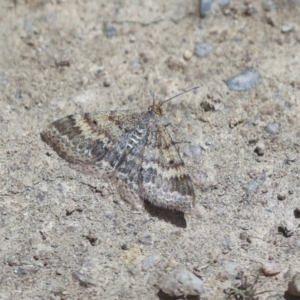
(171, 216)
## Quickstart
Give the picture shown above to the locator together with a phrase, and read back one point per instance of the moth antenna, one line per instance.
(153, 96)
(194, 88)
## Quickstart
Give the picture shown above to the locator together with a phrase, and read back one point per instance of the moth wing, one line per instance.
(127, 176)
(165, 182)
(86, 138)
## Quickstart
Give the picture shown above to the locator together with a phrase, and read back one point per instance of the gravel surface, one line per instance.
(68, 235)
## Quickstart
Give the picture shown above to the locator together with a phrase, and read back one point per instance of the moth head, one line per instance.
(156, 107)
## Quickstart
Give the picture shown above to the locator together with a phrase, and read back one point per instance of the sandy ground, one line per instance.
(67, 235)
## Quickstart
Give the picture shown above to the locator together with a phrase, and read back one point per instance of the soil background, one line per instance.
(68, 235)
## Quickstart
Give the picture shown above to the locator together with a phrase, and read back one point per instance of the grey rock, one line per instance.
(272, 128)
(287, 227)
(251, 187)
(182, 283)
(12, 261)
(227, 246)
(203, 49)
(136, 66)
(28, 26)
(107, 82)
(206, 6)
(88, 274)
(21, 271)
(150, 261)
(243, 81)
(192, 151)
(146, 240)
(27, 270)
(109, 31)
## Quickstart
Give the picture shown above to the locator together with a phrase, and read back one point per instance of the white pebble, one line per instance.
(187, 55)
(287, 27)
(182, 283)
(132, 39)
(107, 82)
(272, 128)
(287, 227)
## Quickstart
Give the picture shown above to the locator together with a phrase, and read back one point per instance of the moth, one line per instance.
(132, 148)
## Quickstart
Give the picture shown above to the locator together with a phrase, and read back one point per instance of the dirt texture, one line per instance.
(68, 235)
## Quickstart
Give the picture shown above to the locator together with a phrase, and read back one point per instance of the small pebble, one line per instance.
(281, 196)
(125, 247)
(132, 39)
(187, 55)
(109, 31)
(243, 81)
(287, 227)
(271, 269)
(294, 285)
(13, 261)
(226, 246)
(231, 267)
(21, 271)
(297, 243)
(271, 18)
(89, 273)
(107, 82)
(244, 235)
(206, 6)
(272, 128)
(27, 270)
(146, 240)
(223, 276)
(217, 106)
(251, 187)
(175, 64)
(59, 272)
(135, 66)
(192, 151)
(287, 27)
(151, 261)
(260, 149)
(182, 283)
(28, 26)
(203, 49)
(267, 5)
(290, 159)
